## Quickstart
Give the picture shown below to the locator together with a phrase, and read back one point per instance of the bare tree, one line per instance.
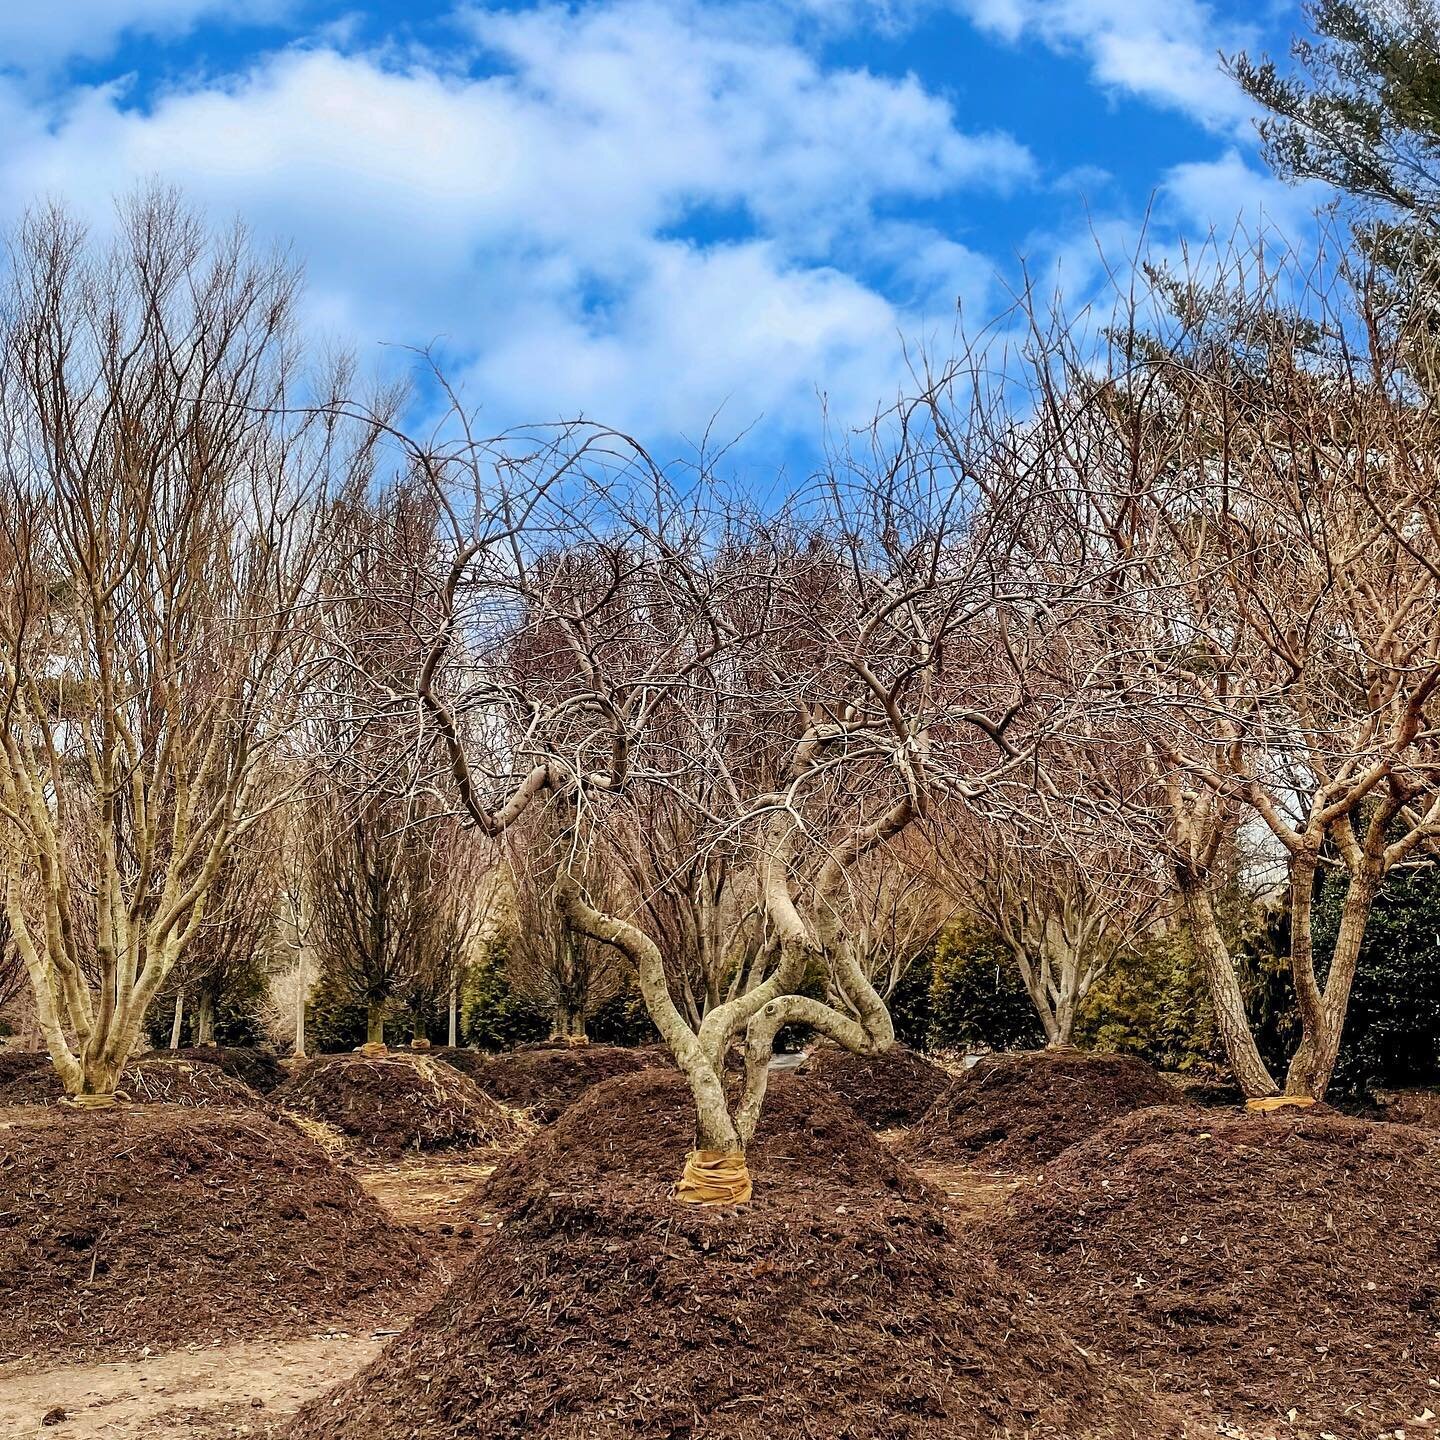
(1065, 905)
(602, 635)
(1263, 470)
(158, 547)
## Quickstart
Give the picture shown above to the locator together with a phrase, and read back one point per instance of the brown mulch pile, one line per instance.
(547, 1080)
(145, 1082)
(390, 1104)
(831, 1306)
(1409, 1107)
(161, 1226)
(1017, 1112)
(641, 1127)
(15, 1063)
(258, 1069)
(1204, 1087)
(1274, 1262)
(887, 1090)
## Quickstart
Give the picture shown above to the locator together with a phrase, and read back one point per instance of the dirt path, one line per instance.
(203, 1394)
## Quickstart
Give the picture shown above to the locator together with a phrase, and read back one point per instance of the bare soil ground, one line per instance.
(398, 1103)
(1282, 1271)
(1017, 1112)
(200, 1393)
(603, 1308)
(895, 1088)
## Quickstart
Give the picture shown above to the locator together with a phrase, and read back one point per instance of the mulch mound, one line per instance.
(145, 1082)
(887, 1090)
(15, 1063)
(1017, 1112)
(1409, 1107)
(390, 1104)
(641, 1127)
(1259, 1263)
(162, 1226)
(545, 1081)
(258, 1069)
(830, 1306)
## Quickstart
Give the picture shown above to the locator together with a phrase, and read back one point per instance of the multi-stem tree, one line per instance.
(1264, 470)
(1064, 903)
(157, 539)
(600, 633)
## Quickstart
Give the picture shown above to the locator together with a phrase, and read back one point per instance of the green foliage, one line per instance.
(910, 1003)
(492, 1015)
(622, 1019)
(335, 1019)
(1392, 1031)
(1362, 109)
(977, 996)
(1153, 1003)
(236, 1021)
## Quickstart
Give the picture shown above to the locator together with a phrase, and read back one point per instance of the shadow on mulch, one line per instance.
(885, 1091)
(546, 1080)
(1272, 1262)
(15, 1063)
(258, 1069)
(833, 1305)
(1017, 1112)
(151, 1081)
(157, 1225)
(391, 1104)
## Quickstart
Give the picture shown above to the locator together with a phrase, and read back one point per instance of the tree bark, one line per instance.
(178, 1022)
(1313, 1064)
(375, 1022)
(205, 1019)
(1250, 1071)
(453, 1034)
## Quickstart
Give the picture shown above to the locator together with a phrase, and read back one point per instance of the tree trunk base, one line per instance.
(419, 1044)
(373, 1047)
(1268, 1103)
(714, 1177)
(114, 1101)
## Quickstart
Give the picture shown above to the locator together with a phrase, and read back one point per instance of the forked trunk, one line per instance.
(1313, 1065)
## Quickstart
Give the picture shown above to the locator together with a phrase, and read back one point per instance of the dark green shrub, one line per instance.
(976, 994)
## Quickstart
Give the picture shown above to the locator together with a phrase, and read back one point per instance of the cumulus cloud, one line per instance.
(1166, 53)
(550, 209)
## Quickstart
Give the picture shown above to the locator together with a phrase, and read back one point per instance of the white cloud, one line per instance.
(537, 215)
(1229, 191)
(1164, 51)
(34, 34)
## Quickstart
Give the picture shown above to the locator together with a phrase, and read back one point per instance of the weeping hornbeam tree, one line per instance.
(157, 547)
(839, 668)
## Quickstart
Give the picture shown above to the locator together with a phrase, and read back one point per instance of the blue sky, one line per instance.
(652, 211)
